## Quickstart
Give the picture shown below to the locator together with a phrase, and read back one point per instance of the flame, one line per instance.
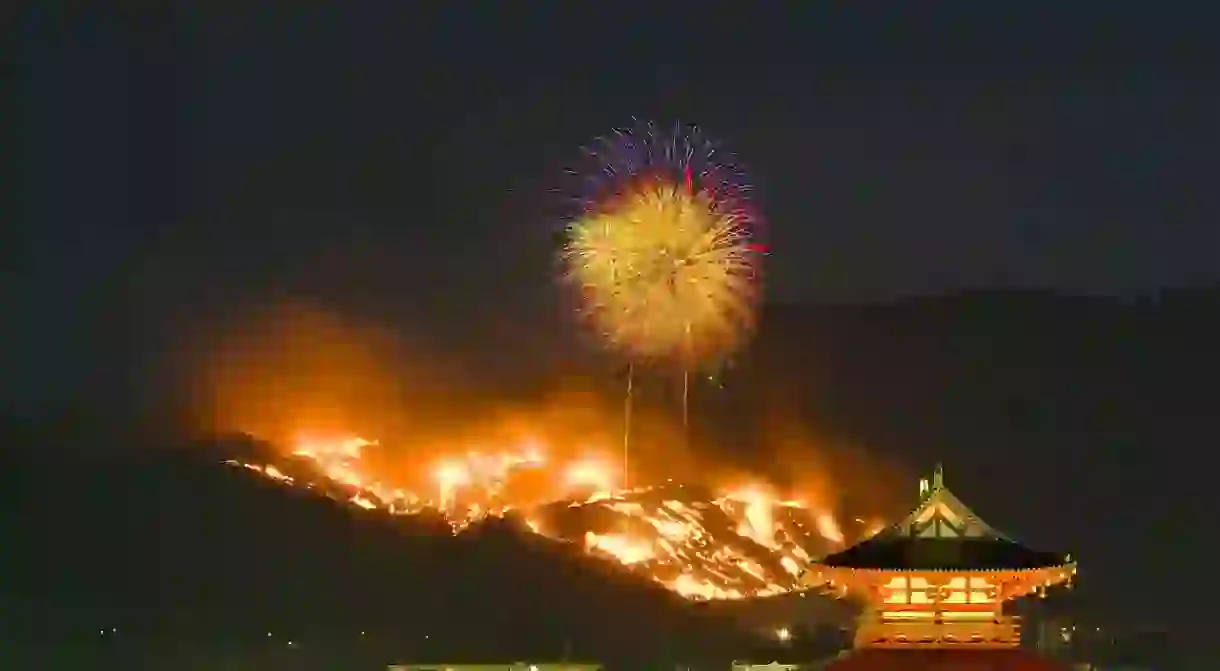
(829, 527)
(743, 542)
(625, 549)
(758, 523)
(590, 473)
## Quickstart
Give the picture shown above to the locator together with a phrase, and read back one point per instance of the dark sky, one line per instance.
(399, 158)
(397, 161)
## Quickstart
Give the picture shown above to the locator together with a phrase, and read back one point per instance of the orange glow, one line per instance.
(625, 549)
(591, 473)
(760, 547)
(829, 527)
(312, 380)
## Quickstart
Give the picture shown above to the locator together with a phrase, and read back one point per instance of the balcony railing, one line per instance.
(877, 632)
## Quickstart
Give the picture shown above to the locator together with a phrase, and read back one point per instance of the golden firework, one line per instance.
(667, 275)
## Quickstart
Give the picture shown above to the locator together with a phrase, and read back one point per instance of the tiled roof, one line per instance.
(942, 534)
(962, 554)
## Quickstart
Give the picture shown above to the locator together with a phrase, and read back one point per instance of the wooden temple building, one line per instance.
(933, 588)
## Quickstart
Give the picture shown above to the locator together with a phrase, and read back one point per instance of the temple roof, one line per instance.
(942, 534)
(940, 554)
(1014, 659)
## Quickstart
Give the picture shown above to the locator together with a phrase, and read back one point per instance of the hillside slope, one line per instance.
(171, 549)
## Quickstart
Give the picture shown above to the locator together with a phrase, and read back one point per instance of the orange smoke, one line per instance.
(294, 369)
(295, 373)
(299, 376)
(833, 473)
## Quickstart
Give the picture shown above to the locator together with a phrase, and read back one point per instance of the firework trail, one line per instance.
(663, 251)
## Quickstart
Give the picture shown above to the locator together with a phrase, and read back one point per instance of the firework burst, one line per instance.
(662, 250)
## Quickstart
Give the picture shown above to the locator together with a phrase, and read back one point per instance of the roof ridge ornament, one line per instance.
(937, 484)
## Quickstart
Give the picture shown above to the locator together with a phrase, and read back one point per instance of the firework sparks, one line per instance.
(662, 251)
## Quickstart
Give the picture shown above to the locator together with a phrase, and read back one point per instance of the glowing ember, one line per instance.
(624, 548)
(740, 544)
(592, 474)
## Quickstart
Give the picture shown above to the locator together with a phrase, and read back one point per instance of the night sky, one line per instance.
(400, 164)
(401, 160)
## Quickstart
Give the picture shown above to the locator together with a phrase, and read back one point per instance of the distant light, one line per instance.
(783, 634)
(290, 644)
(268, 634)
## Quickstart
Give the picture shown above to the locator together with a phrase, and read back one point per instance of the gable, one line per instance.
(942, 515)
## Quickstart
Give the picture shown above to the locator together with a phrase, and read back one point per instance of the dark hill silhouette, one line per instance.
(172, 549)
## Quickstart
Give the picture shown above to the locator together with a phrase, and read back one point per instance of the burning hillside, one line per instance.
(738, 543)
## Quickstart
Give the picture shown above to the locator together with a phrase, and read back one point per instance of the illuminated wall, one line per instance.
(957, 591)
(517, 666)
